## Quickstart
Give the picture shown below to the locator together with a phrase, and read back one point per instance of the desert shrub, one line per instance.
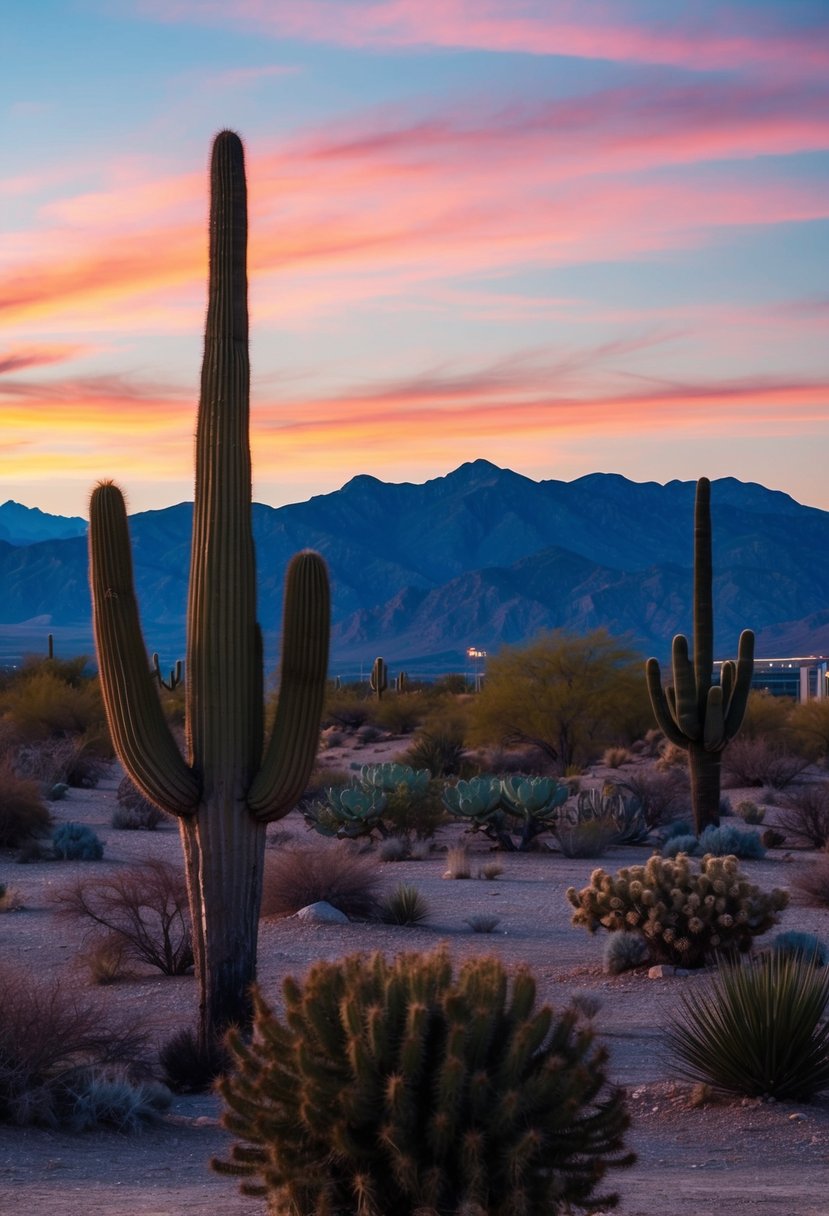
(677, 827)
(615, 757)
(134, 812)
(804, 814)
(297, 877)
(189, 1066)
(11, 898)
(42, 704)
(661, 795)
(400, 713)
(420, 1092)
(681, 843)
(809, 729)
(105, 959)
(368, 733)
(51, 1042)
(767, 717)
(757, 1030)
(749, 811)
(144, 906)
(483, 922)
(404, 906)
(813, 882)
(805, 946)
(23, 816)
(101, 1099)
(395, 848)
(490, 870)
(729, 839)
(346, 707)
(684, 915)
(415, 810)
(772, 839)
(457, 863)
(623, 951)
(440, 750)
(76, 842)
(671, 756)
(590, 838)
(759, 762)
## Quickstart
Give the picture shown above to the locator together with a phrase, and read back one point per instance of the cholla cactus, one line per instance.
(392, 1087)
(684, 914)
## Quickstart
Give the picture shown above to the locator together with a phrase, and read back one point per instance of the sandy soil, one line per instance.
(730, 1157)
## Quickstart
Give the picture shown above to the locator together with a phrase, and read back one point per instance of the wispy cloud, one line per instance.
(702, 37)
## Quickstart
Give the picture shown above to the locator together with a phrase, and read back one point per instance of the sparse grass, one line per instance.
(134, 812)
(297, 877)
(11, 899)
(393, 848)
(404, 906)
(591, 838)
(813, 882)
(105, 959)
(457, 863)
(615, 757)
(759, 762)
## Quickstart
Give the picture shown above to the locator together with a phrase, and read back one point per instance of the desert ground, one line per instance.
(735, 1156)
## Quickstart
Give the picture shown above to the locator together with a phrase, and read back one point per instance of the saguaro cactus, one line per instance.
(693, 712)
(232, 783)
(379, 678)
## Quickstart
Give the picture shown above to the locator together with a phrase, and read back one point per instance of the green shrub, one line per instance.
(23, 817)
(392, 1087)
(76, 842)
(684, 915)
(757, 1030)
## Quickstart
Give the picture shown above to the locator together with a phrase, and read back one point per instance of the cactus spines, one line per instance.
(379, 678)
(693, 712)
(394, 1086)
(230, 785)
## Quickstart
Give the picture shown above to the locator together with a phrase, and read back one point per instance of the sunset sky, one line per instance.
(563, 235)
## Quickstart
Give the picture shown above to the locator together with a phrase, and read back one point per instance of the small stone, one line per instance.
(797, 1117)
(322, 913)
(660, 971)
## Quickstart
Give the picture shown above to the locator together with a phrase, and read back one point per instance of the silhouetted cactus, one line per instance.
(379, 678)
(231, 786)
(175, 675)
(392, 1087)
(692, 712)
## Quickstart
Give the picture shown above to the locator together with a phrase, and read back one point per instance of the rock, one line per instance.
(797, 1117)
(322, 913)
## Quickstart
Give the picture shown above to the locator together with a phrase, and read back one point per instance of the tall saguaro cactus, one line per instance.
(233, 782)
(693, 712)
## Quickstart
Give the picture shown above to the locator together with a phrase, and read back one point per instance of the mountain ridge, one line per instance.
(482, 556)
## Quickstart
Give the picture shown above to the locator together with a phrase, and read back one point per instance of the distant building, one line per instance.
(803, 678)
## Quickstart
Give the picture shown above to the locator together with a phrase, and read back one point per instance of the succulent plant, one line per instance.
(347, 812)
(684, 914)
(393, 1087)
(232, 784)
(389, 777)
(379, 678)
(692, 712)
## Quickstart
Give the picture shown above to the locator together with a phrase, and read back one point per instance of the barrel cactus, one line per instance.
(233, 781)
(394, 1087)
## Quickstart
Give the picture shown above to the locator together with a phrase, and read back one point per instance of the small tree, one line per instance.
(569, 695)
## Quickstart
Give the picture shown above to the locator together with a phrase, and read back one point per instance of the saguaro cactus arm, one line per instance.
(140, 733)
(290, 751)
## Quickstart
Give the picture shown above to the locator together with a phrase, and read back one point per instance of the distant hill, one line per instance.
(21, 525)
(483, 557)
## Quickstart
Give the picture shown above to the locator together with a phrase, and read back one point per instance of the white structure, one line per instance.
(802, 677)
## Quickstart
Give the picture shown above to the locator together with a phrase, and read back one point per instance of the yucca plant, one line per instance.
(757, 1030)
(405, 906)
(396, 1087)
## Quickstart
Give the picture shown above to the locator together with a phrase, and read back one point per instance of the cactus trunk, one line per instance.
(230, 787)
(704, 769)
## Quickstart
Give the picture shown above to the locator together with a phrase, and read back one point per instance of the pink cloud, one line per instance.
(721, 40)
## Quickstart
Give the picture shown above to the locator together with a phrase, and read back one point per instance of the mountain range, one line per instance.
(480, 557)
